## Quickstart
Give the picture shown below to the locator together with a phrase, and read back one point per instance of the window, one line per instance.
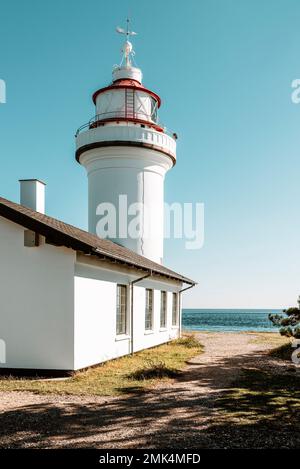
(175, 310)
(121, 309)
(149, 310)
(163, 309)
(154, 109)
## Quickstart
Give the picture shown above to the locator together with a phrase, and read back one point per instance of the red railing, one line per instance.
(130, 116)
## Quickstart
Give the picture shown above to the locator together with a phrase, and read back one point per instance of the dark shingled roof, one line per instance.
(62, 234)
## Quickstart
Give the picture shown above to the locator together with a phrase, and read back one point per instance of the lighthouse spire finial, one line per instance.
(127, 49)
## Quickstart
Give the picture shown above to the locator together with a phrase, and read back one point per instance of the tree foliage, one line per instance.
(289, 322)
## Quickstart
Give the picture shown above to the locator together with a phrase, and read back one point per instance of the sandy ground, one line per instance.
(187, 412)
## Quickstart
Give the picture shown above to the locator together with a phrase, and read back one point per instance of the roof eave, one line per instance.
(53, 236)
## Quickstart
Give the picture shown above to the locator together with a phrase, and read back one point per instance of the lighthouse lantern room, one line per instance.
(126, 153)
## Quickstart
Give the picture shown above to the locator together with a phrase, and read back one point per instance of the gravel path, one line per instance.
(185, 413)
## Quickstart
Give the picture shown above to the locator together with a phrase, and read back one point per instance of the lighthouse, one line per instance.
(127, 152)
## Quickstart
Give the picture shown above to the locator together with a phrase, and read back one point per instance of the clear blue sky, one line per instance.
(224, 71)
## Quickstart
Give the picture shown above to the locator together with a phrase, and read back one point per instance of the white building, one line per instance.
(70, 299)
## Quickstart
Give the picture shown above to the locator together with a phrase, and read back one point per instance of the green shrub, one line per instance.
(284, 352)
(188, 341)
(153, 369)
(289, 322)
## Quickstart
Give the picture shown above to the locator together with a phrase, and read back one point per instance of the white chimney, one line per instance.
(32, 194)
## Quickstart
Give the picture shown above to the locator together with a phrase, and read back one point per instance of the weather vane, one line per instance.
(127, 49)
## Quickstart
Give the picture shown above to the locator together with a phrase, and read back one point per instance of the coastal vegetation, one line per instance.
(284, 352)
(289, 322)
(123, 375)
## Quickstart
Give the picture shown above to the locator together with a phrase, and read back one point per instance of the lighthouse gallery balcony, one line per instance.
(98, 131)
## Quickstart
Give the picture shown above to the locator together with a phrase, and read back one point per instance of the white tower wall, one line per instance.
(138, 174)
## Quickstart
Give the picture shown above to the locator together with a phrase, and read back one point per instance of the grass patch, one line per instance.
(154, 369)
(263, 398)
(188, 341)
(282, 345)
(284, 352)
(268, 338)
(127, 374)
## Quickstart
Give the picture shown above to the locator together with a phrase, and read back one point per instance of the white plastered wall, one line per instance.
(95, 313)
(36, 302)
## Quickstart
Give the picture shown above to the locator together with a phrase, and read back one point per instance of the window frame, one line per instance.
(154, 109)
(149, 309)
(163, 309)
(175, 309)
(122, 289)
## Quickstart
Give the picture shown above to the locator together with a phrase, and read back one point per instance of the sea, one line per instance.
(228, 320)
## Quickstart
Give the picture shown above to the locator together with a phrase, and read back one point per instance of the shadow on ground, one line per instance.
(203, 409)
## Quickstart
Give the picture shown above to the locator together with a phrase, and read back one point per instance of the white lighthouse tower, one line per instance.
(126, 153)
